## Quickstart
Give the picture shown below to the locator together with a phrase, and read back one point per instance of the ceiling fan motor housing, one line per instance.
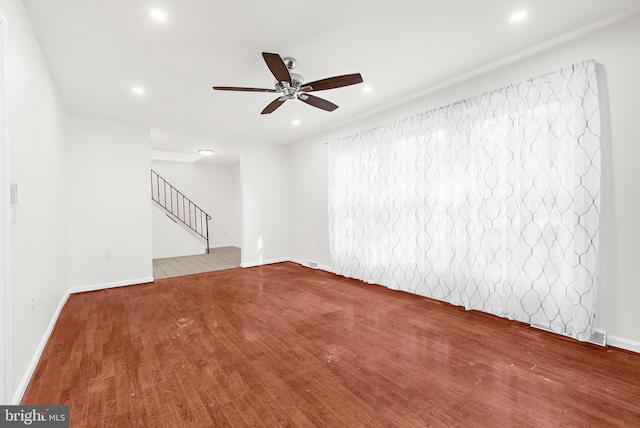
(290, 91)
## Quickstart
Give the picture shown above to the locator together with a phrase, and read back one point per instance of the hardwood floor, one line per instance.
(283, 345)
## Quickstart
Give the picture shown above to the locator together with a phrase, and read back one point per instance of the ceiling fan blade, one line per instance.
(232, 88)
(317, 102)
(273, 105)
(277, 67)
(333, 82)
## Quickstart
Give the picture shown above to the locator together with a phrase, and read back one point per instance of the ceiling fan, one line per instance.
(291, 85)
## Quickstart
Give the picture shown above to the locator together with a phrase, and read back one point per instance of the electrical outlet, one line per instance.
(32, 300)
(107, 255)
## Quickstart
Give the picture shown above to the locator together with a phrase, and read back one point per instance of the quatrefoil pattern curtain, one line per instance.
(491, 203)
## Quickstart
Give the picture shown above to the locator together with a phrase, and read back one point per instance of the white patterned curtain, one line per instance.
(491, 203)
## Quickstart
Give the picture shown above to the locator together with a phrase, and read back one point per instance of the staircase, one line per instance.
(180, 208)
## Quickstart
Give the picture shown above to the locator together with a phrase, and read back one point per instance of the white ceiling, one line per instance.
(97, 50)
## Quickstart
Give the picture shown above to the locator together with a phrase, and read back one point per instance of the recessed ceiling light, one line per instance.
(518, 16)
(296, 122)
(367, 89)
(205, 152)
(137, 90)
(158, 15)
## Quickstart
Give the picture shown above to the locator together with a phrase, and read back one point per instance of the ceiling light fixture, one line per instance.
(137, 90)
(205, 152)
(158, 15)
(296, 122)
(367, 89)
(518, 16)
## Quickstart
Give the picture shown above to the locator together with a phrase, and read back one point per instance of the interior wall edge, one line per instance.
(5, 227)
(26, 378)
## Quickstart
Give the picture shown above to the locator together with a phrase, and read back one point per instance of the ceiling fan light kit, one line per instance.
(290, 85)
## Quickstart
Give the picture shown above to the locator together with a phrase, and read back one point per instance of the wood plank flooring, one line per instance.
(217, 259)
(287, 346)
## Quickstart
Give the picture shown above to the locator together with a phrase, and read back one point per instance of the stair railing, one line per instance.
(179, 206)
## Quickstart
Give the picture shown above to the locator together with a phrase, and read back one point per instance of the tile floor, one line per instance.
(217, 259)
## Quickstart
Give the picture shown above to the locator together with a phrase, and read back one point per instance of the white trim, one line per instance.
(264, 262)
(627, 344)
(223, 246)
(22, 387)
(6, 380)
(107, 285)
(306, 264)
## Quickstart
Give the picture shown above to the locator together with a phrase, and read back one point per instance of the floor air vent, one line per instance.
(597, 337)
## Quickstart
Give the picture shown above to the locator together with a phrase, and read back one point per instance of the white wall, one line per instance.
(39, 235)
(308, 203)
(109, 208)
(617, 50)
(171, 238)
(235, 229)
(265, 231)
(213, 188)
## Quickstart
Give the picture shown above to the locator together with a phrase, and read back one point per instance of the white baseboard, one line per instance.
(223, 246)
(107, 285)
(264, 262)
(22, 387)
(619, 342)
(305, 263)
